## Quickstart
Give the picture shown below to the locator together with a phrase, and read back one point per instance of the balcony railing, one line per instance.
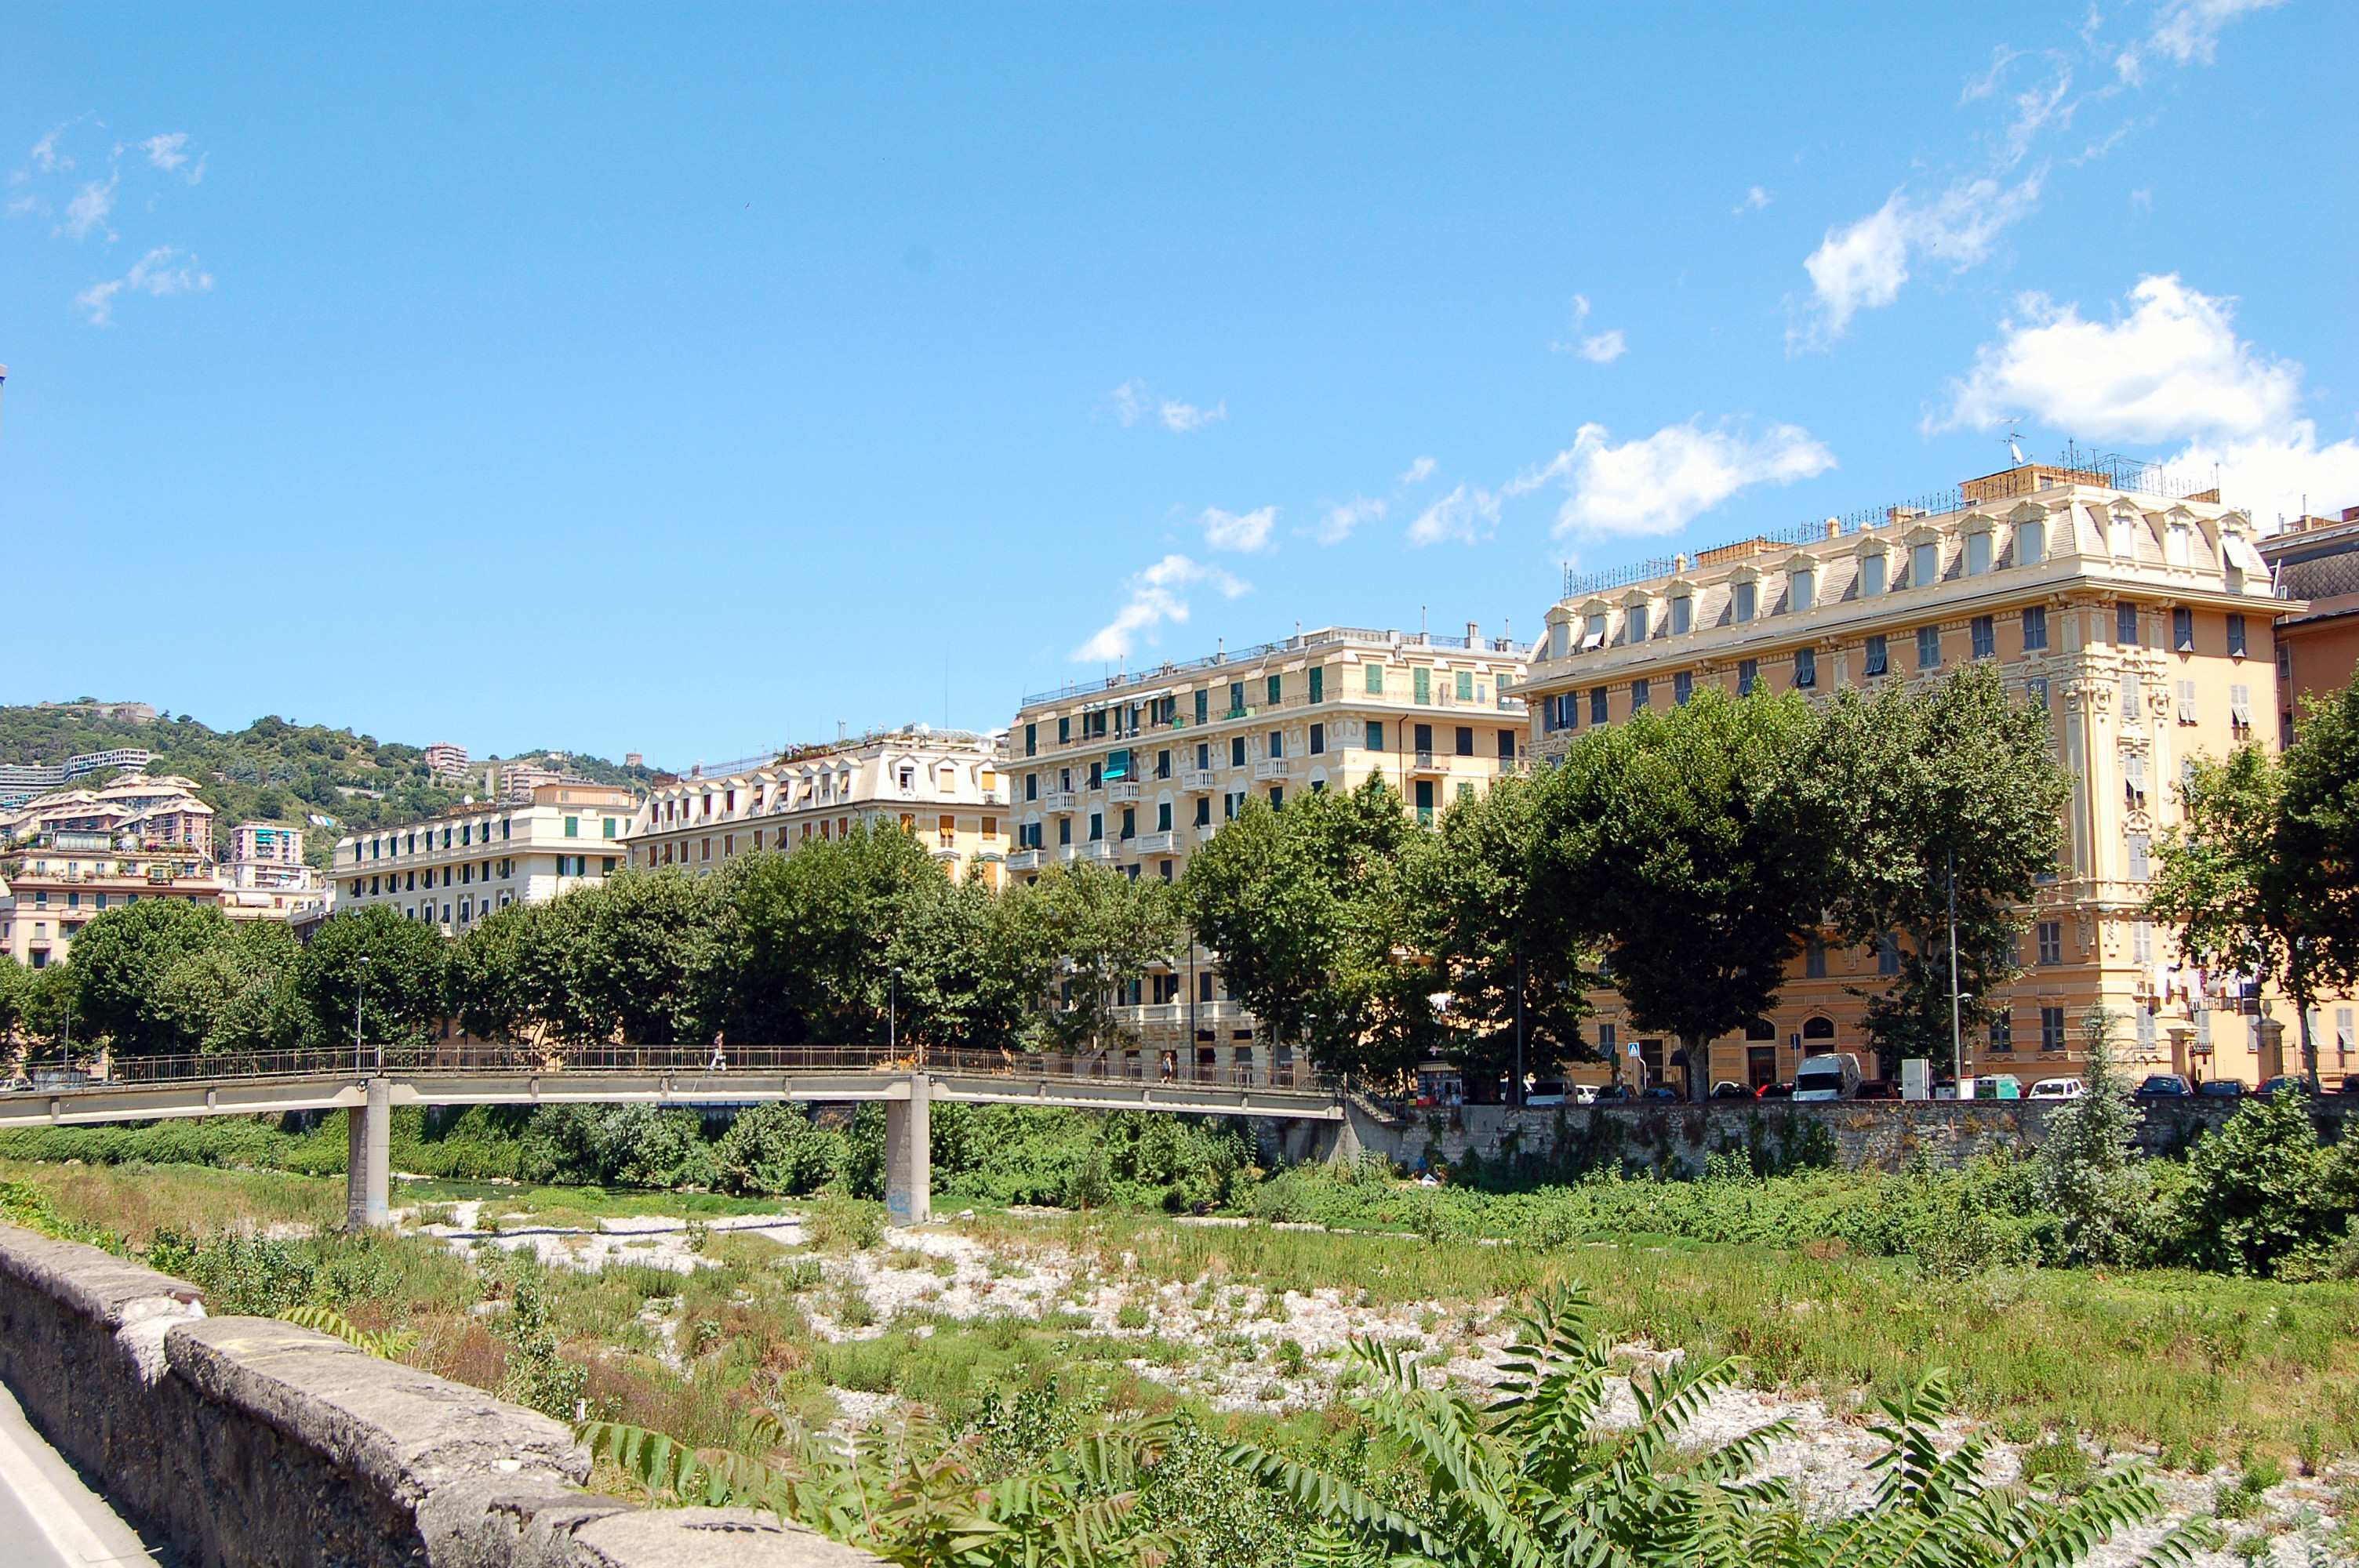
(1273, 768)
(1121, 790)
(1023, 860)
(1058, 800)
(1068, 853)
(1102, 850)
(1426, 763)
(1197, 780)
(1163, 843)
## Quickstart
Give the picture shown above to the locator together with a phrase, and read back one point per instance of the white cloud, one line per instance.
(1862, 265)
(88, 210)
(2186, 31)
(1604, 348)
(1754, 200)
(1418, 471)
(46, 157)
(1465, 515)
(165, 152)
(2275, 475)
(1338, 519)
(1657, 485)
(2172, 369)
(1134, 401)
(154, 273)
(1243, 532)
(1155, 598)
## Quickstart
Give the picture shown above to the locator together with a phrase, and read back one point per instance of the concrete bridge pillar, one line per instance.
(368, 1196)
(909, 1154)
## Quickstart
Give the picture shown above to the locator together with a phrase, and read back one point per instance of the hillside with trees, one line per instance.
(272, 770)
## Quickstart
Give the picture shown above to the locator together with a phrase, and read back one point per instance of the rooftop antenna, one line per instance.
(2013, 439)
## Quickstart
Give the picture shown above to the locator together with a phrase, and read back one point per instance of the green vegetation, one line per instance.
(272, 771)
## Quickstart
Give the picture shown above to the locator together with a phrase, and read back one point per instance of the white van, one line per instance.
(1833, 1077)
(2059, 1088)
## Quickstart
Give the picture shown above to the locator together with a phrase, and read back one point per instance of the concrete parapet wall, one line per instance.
(1671, 1136)
(249, 1442)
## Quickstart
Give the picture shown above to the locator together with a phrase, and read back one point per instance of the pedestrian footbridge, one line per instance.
(370, 1083)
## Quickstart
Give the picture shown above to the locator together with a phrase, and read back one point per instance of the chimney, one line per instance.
(1474, 635)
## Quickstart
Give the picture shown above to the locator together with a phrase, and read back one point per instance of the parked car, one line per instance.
(1614, 1091)
(2220, 1089)
(1725, 1089)
(1832, 1076)
(1878, 1088)
(2285, 1083)
(2164, 1086)
(1584, 1093)
(1545, 1092)
(1776, 1091)
(2059, 1088)
(2350, 1084)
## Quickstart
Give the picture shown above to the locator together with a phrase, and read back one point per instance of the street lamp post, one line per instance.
(892, 1013)
(360, 986)
(1957, 1033)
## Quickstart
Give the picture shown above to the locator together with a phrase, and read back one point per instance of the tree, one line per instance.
(1075, 937)
(1496, 947)
(1928, 796)
(2316, 857)
(1309, 910)
(1680, 840)
(123, 957)
(2260, 1197)
(2085, 1176)
(49, 1010)
(237, 995)
(636, 955)
(803, 951)
(14, 978)
(402, 998)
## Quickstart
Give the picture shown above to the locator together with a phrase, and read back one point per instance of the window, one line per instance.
(2031, 543)
(2035, 691)
(1876, 660)
(1162, 817)
(1466, 738)
(1064, 830)
(1637, 617)
(1425, 802)
(1273, 691)
(1640, 695)
(1815, 961)
(1924, 565)
(2050, 934)
(2133, 696)
(1745, 594)
(609, 832)
(1276, 744)
(2187, 702)
(1319, 683)
(2052, 1029)
(1748, 671)
(1203, 811)
(2240, 712)
(1097, 825)
(1236, 750)
(2121, 536)
(1506, 745)
(1597, 705)
(2134, 783)
(2034, 629)
(2125, 626)
(1871, 575)
(1929, 647)
(1804, 589)
(1424, 737)
(1420, 681)
(1592, 634)
(1806, 667)
(1129, 821)
(1203, 756)
(1682, 687)
(1887, 953)
(2182, 628)
(1985, 640)
(2142, 941)
(1978, 553)
(2002, 1034)
(1318, 740)
(1682, 615)
(1032, 739)
(572, 828)
(1465, 686)
(1097, 774)
(2139, 869)
(2145, 1032)
(2237, 636)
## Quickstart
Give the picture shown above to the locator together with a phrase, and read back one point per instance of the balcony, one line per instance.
(1273, 768)
(1068, 853)
(1164, 843)
(1100, 851)
(1058, 800)
(1024, 859)
(1197, 780)
(1425, 761)
(1120, 789)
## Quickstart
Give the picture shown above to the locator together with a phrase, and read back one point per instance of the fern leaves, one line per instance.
(385, 1344)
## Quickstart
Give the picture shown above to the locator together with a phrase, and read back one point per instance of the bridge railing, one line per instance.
(710, 1068)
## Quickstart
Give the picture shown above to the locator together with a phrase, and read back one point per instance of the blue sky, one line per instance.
(688, 380)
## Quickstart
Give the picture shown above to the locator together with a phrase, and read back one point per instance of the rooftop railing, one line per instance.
(1330, 636)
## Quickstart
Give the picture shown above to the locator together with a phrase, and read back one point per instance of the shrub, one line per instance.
(2257, 1199)
(778, 1148)
(2086, 1178)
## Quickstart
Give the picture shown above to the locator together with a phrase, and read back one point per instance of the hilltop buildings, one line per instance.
(2142, 622)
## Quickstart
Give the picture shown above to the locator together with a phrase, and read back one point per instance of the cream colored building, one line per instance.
(1135, 772)
(453, 869)
(2141, 622)
(941, 785)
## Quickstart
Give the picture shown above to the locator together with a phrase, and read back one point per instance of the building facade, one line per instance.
(264, 877)
(2141, 621)
(69, 855)
(1136, 772)
(21, 782)
(942, 785)
(456, 868)
(2316, 560)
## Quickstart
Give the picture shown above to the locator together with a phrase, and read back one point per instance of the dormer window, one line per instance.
(1802, 590)
(1593, 632)
(1871, 574)
(2123, 534)
(1924, 564)
(1744, 598)
(1637, 617)
(2031, 543)
(2175, 547)
(1682, 615)
(1978, 552)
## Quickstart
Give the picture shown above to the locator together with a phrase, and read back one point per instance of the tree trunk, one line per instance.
(1699, 1054)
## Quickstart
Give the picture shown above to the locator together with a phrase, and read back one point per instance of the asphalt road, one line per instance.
(48, 1517)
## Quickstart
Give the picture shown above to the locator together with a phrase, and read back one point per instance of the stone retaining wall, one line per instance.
(1667, 1135)
(248, 1442)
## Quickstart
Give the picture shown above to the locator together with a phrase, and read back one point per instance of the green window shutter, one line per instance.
(573, 827)
(1274, 690)
(1465, 686)
(1376, 680)
(1319, 684)
(1422, 683)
